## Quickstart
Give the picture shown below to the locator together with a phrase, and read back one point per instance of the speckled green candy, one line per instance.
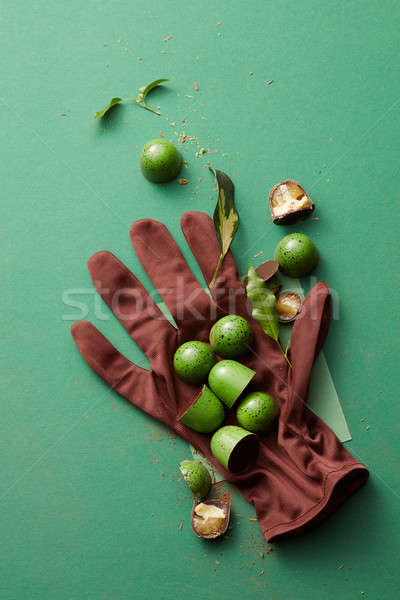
(234, 447)
(230, 336)
(160, 161)
(297, 255)
(193, 361)
(257, 411)
(197, 477)
(228, 379)
(206, 413)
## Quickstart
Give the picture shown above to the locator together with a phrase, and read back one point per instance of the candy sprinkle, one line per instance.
(183, 181)
(269, 82)
(161, 134)
(196, 86)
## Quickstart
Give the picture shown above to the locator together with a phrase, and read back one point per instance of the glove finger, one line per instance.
(228, 292)
(308, 336)
(134, 383)
(116, 370)
(131, 304)
(170, 273)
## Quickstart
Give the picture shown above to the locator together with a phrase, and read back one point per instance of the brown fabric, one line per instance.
(302, 472)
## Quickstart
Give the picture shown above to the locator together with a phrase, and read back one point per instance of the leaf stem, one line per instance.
(141, 103)
(284, 353)
(156, 112)
(217, 270)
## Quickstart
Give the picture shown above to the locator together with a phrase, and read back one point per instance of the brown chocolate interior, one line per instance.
(244, 454)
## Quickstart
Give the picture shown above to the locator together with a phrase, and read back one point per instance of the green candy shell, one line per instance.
(206, 413)
(257, 411)
(197, 477)
(193, 361)
(228, 379)
(160, 161)
(230, 336)
(297, 255)
(234, 447)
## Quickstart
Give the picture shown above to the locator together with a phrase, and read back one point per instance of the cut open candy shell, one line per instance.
(210, 519)
(205, 414)
(234, 447)
(228, 379)
(289, 203)
(288, 306)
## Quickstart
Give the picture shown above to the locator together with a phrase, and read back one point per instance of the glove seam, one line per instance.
(319, 502)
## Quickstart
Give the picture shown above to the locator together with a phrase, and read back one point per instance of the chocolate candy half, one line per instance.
(289, 203)
(210, 519)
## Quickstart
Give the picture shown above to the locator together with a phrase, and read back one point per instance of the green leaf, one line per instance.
(105, 110)
(264, 304)
(226, 219)
(143, 91)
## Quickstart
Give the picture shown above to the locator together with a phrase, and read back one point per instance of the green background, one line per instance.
(91, 502)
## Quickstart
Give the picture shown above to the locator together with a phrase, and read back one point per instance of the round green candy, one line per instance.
(230, 336)
(160, 161)
(193, 361)
(196, 476)
(297, 255)
(257, 411)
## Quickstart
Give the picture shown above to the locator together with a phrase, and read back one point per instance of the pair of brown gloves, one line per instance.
(302, 472)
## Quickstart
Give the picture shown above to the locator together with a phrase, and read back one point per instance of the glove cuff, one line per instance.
(337, 487)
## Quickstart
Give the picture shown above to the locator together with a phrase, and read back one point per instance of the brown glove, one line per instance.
(302, 472)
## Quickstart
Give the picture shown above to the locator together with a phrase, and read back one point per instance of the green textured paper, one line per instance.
(322, 395)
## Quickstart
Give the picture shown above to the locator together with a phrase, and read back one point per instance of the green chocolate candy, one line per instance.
(297, 255)
(206, 413)
(196, 476)
(257, 411)
(160, 161)
(230, 336)
(228, 379)
(193, 361)
(234, 447)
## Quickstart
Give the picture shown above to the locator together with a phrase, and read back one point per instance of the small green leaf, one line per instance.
(226, 219)
(264, 304)
(105, 110)
(143, 91)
